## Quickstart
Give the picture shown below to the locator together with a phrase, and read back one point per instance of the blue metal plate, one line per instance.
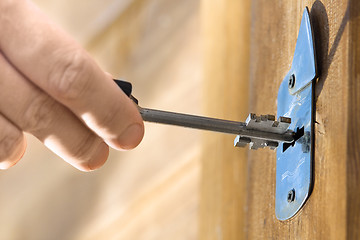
(295, 100)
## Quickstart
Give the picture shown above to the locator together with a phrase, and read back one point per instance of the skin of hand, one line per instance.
(52, 89)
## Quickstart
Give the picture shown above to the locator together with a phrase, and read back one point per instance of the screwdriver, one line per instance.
(206, 123)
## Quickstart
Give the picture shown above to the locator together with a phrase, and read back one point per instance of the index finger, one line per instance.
(53, 61)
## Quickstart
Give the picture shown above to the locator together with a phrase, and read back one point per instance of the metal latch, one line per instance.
(291, 134)
(294, 162)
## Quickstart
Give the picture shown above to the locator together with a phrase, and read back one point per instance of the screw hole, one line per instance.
(291, 196)
(291, 81)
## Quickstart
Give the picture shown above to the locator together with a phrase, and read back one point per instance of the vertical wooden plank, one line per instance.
(226, 40)
(353, 156)
(333, 208)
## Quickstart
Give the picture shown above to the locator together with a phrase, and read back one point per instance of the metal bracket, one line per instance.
(263, 123)
(295, 100)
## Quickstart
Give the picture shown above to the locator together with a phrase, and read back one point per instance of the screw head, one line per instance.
(291, 81)
(291, 196)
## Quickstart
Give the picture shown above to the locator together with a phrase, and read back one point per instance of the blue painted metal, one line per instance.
(294, 166)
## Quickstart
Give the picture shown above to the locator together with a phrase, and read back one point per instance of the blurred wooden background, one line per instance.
(226, 29)
(151, 192)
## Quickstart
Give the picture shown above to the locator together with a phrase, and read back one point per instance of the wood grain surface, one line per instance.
(332, 211)
(226, 27)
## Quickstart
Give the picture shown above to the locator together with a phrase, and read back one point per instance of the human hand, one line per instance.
(52, 89)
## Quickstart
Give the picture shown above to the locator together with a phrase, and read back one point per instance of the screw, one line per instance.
(305, 147)
(291, 196)
(291, 81)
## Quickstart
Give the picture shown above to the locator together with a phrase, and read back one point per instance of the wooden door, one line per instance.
(238, 194)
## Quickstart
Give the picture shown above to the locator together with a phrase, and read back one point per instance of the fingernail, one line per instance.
(131, 137)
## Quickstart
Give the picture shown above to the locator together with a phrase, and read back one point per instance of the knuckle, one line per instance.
(6, 5)
(84, 148)
(108, 122)
(9, 141)
(6, 9)
(109, 119)
(68, 78)
(37, 115)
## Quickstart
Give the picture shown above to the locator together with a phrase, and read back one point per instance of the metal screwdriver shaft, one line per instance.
(211, 124)
(259, 131)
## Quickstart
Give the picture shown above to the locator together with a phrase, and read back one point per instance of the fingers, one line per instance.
(62, 69)
(33, 111)
(12, 144)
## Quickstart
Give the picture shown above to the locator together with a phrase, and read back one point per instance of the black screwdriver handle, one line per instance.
(127, 89)
(125, 86)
